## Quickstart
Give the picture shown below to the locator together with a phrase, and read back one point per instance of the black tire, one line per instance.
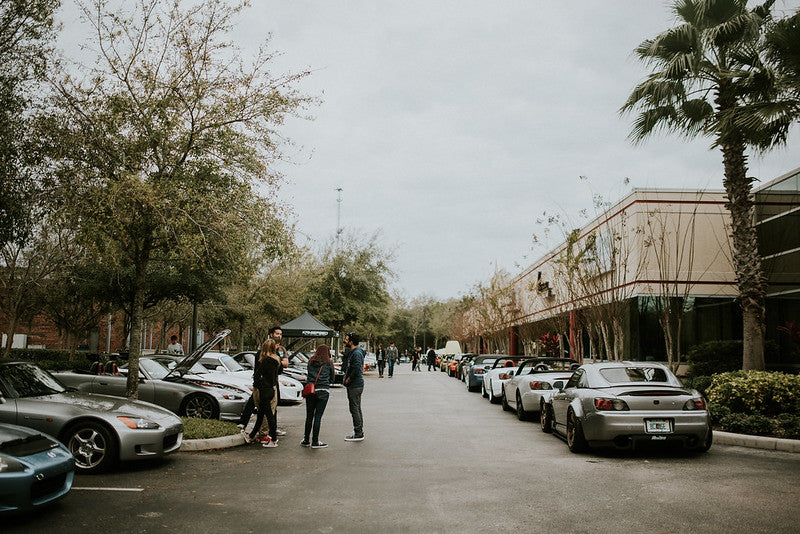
(504, 402)
(483, 391)
(546, 418)
(200, 406)
(575, 438)
(522, 415)
(707, 443)
(492, 397)
(93, 445)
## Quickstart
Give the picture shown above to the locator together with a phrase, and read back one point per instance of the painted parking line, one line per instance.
(106, 489)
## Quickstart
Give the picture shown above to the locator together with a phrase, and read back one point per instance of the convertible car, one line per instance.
(35, 469)
(622, 404)
(533, 383)
(169, 387)
(97, 429)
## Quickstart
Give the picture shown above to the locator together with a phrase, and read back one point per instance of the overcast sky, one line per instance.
(451, 126)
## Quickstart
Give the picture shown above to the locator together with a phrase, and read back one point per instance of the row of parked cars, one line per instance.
(605, 404)
(52, 424)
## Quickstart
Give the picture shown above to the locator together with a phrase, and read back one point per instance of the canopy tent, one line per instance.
(306, 325)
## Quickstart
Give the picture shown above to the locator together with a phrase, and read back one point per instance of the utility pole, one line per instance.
(338, 215)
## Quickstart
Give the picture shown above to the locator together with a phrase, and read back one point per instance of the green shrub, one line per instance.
(700, 383)
(194, 428)
(718, 413)
(714, 357)
(748, 424)
(788, 426)
(756, 392)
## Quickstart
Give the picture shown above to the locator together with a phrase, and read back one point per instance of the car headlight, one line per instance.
(286, 383)
(10, 465)
(137, 424)
(232, 396)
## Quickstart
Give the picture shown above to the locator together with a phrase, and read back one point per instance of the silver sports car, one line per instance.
(168, 387)
(97, 429)
(622, 404)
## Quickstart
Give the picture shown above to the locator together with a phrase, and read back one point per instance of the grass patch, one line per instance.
(194, 428)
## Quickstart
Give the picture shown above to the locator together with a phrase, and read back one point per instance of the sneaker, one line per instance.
(280, 432)
(305, 443)
(269, 443)
(354, 437)
(246, 436)
(319, 445)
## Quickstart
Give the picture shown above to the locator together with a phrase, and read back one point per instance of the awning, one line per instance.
(306, 325)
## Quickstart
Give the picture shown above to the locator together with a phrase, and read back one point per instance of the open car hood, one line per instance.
(185, 364)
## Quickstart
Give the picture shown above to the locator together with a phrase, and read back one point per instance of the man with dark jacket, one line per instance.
(431, 358)
(354, 382)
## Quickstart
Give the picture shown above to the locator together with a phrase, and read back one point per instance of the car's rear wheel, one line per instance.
(504, 401)
(492, 397)
(575, 439)
(546, 418)
(522, 415)
(483, 391)
(93, 446)
(707, 443)
(200, 406)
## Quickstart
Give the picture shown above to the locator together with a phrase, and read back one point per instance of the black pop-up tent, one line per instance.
(306, 327)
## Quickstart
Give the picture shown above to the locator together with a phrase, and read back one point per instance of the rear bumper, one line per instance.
(626, 429)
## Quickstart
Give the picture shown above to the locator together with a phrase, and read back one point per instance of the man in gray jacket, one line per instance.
(354, 382)
(391, 354)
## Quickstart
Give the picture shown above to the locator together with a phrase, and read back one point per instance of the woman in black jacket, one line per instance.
(265, 385)
(321, 373)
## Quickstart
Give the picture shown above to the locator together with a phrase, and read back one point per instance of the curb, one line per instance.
(223, 442)
(757, 442)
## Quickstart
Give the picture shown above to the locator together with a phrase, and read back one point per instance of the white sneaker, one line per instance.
(319, 445)
(268, 443)
(280, 432)
(354, 437)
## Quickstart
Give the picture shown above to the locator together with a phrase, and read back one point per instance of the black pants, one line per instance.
(315, 407)
(264, 398)
(381, 367)
(247, 412)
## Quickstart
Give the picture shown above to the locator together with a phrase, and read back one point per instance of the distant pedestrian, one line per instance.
(415, 358)
(265, 386)
(380, 356)
(320, 373)
(174, 347)
(391, 355)
(431, 358)
(354, 382)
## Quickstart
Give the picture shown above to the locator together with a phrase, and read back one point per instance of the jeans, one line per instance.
(265, 408)
(381, 367)
(354, 399)
(315, 407)
(391, 366)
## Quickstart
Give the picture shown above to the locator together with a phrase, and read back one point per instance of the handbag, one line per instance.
(310, 388)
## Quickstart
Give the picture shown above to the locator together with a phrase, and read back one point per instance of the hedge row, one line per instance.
(756, 392)
(785, 425)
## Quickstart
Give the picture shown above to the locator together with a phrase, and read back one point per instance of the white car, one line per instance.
(502, 370)
(533, 384)
(224, 364)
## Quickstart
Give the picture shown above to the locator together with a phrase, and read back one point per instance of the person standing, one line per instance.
(276, 334)
(265, 386)
(391, 355)
(321, 373)
(380, 356)
(414, 359)
(431, 358)
(174, 347)
(354, 382)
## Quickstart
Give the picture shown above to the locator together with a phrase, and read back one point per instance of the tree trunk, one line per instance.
(12, 329)
(137, 315)
(750, 277)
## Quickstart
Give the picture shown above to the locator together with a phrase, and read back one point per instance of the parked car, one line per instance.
(226, 369)
(476, 369)
(35, 469)
(501, 370)
(622, 404)
(463, 365)
(533, 384)
(97, 429)
(169, 387)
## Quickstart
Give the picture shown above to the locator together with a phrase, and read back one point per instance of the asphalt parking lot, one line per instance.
(436, 459)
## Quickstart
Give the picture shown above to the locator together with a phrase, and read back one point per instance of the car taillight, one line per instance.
(504, 376)
(698, 403)
(541, 385)
(479, 371)
(617, 405)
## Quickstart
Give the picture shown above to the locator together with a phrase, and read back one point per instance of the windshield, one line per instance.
(29, 380)
(621, 375)
(154, 368)
(231, 364)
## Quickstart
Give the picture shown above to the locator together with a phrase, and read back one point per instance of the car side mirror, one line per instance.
(221, 368)
(558, 384)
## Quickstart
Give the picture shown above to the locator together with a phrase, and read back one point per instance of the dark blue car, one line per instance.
(35, 469)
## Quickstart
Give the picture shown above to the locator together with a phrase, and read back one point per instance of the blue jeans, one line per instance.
(354, 399)
(391, 366)
(315, 407)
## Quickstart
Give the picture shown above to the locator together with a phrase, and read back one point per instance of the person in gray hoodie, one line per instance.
(354, 382)
(320, 373)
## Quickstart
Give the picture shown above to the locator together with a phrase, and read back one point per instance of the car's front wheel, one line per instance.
(504, 402)
(200, 406)
(575, 438)
(93, 446)
(546, 418)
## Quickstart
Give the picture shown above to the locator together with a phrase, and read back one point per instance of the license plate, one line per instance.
(657, 426)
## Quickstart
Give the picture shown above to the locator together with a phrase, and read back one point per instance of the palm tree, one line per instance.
(707, 70)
